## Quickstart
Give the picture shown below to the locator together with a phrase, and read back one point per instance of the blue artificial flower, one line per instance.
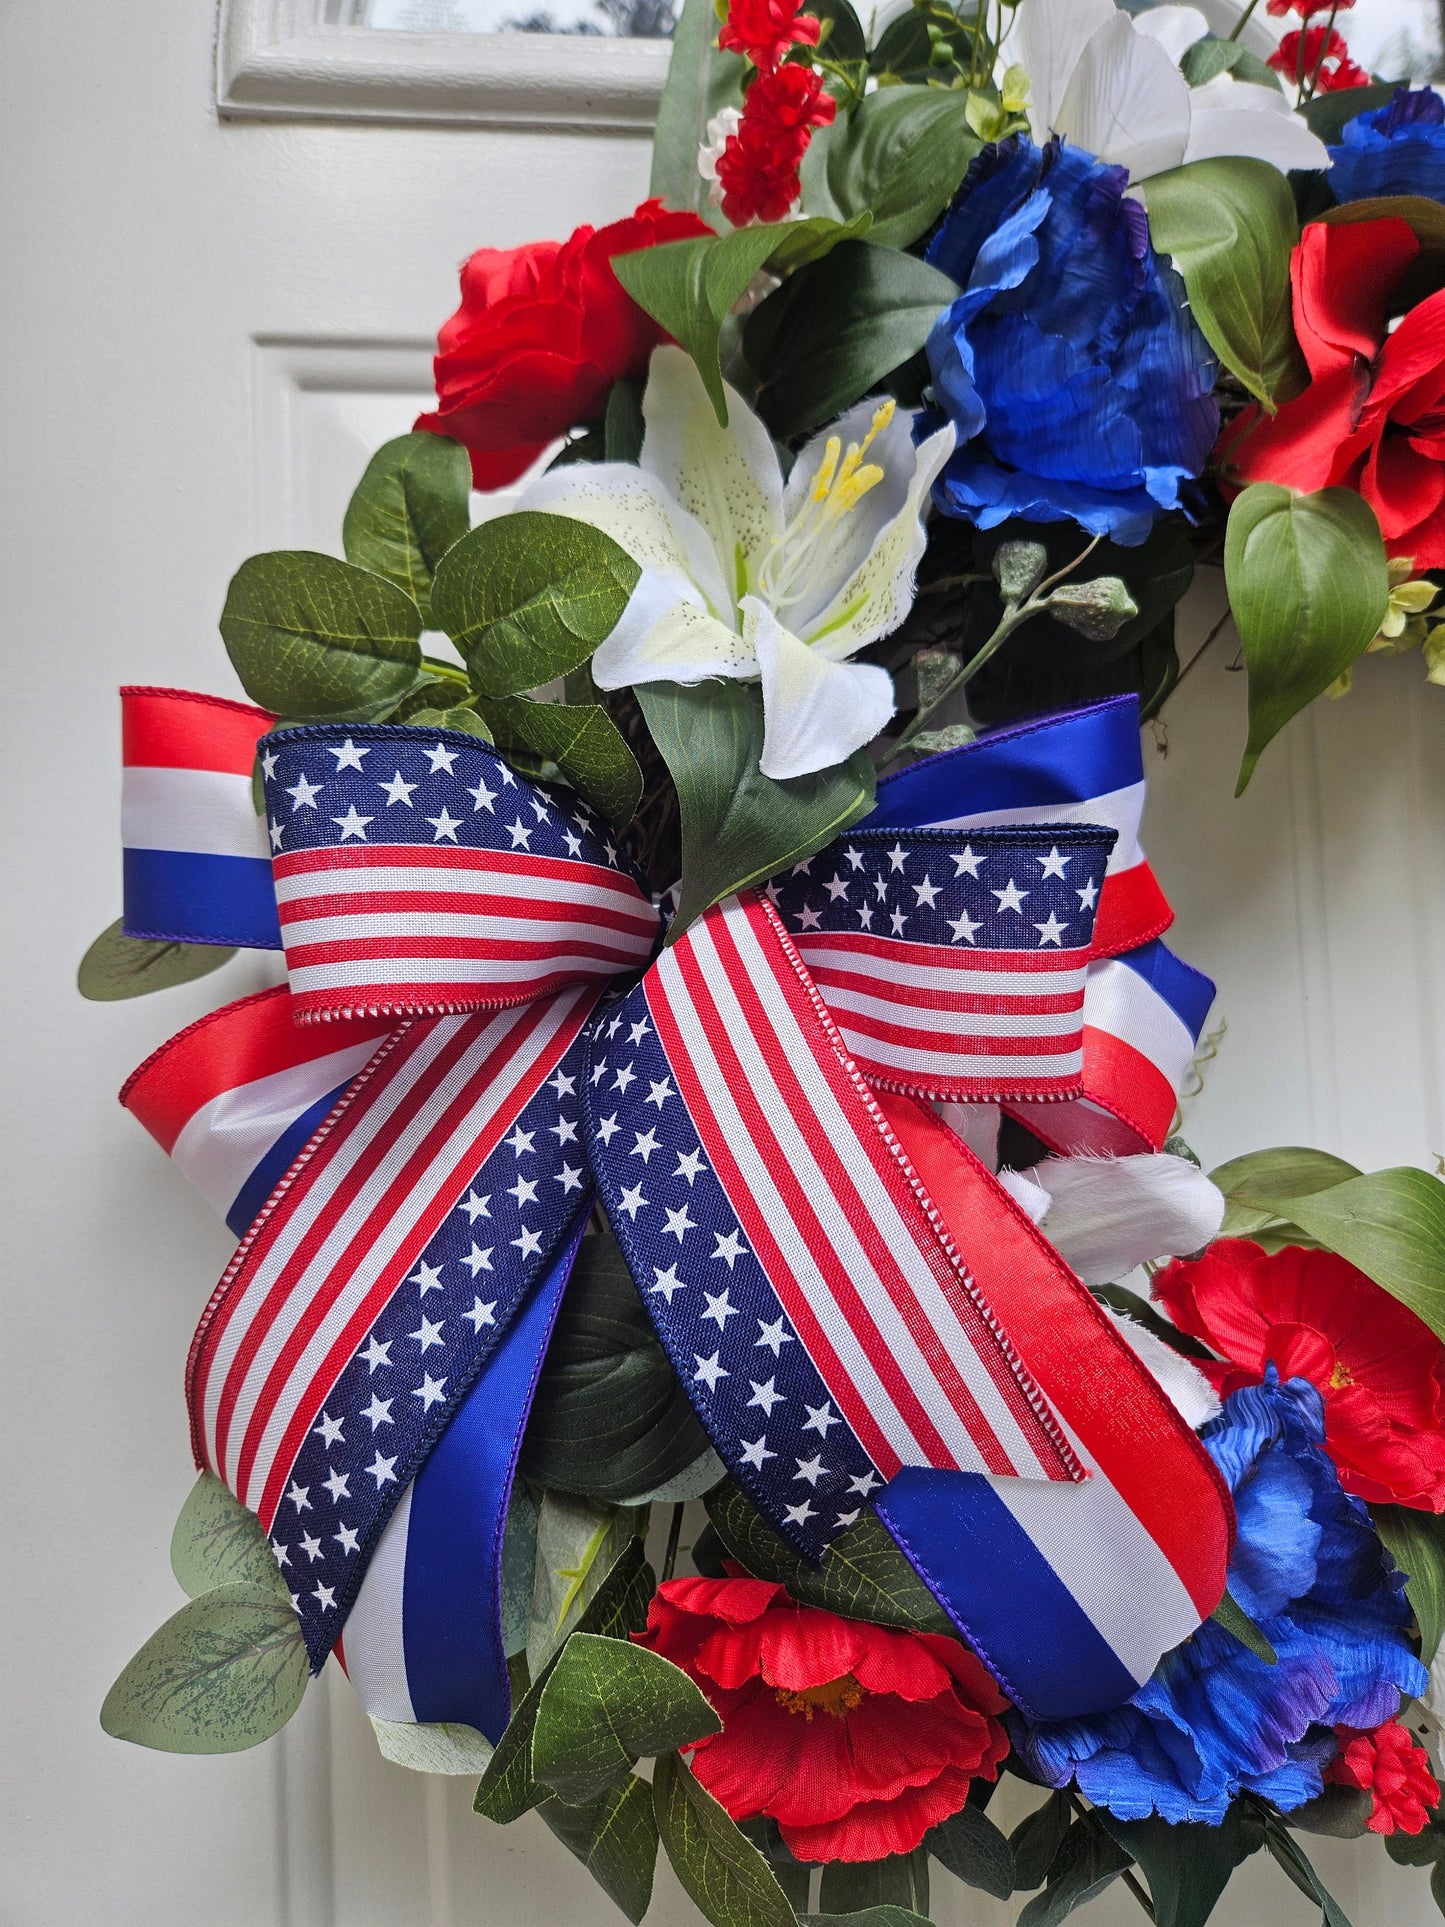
(1311, 1572)
(1396, 149)
(1079, 382)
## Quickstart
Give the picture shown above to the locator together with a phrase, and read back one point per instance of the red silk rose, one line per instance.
(542, 333)
(1381, 1371)
(1389, 1764)
(1373, 417)
(855, 1738)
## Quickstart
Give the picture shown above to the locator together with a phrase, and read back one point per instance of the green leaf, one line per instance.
(1327, 113)
(1188, 1866)
(899, 156)
(693, 1482)
(584, 743)
(1086, 1863)
(836, 328)
(610, 1418)
(577, 1546)
(1307, 589)
(701, 81)
(1416, 1543)
(615, 1838)
(1210, 56)
(974, 1850)
(606, 1704)
(217, 1542)
(1291, 1856)
(863, 1574)
(312, 638)
(618, 1607)
(409, 508)
(224, 1673)
(739, 826)
(1230, 226)
(1232, 1617)
(117, 966)
(623, 426)
(527, 597)
(519, 1564)
(1037, 1839)
(726, 1877)
(851, 1886)
(792, 1875)
(441, 1748)
(1292, 1171)
(1340, 1813)
(463, 717)
(885, 1916)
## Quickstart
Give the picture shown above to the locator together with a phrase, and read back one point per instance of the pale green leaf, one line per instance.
(606, 1704)
(409, 508)
(218, 1542)
(1232, 1618)
(726, 1877)
(463, 717)
(1291, 1171)
(423, 1748)
(118, 966)
(578, 1544)
(519, 1564)
(701, 81)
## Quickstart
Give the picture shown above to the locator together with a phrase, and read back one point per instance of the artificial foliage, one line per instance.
(760, 797)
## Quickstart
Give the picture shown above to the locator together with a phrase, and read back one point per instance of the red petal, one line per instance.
(802, 1646)
(875, 1829)
(1343, 278)
(1402, 487)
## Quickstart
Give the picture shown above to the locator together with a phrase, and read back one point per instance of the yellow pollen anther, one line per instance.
(1340, 1377)
(832, 449)
(838, 1698)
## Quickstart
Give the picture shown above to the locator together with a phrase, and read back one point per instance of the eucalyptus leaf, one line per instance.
(582, 740)
(1292, 1857)
(1230, 226)
(428, 1748)
(851, 1886)
(701, 81)
(117, 966)
(693, 1482)
(885, 1916)
(1291, 1171)
(615, 1838)
(462, 717)
(1307, 589)
(1339, 1813)
(606, 1703)
(578, 1544)
(218, 1542)
(1037, 1838)
(863, 1574)
(1187, 1865)
(974, 1850)
(1206, 58)
(313, 638)
(1087, 1861)
(519, 1563)
(224, 1673)
(527, 597)
(739, 826)
(1416, 1543)
(409, 508)
(723, 1873)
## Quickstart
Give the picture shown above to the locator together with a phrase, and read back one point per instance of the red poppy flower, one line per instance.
(1389, 1764)
(758, 167)
(1373, 417)
(1381, 1371)
(1319, 54)
(766, 31)
(542, 333)
(855, 1738)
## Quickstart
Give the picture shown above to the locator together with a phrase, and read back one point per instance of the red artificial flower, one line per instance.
(1319, 54)
(1380, 1370)
(542, 333)
(1306, 9)
(1373, 417)
(758, 167)
(1389, 1764)
(766, 31)
(855, 1738)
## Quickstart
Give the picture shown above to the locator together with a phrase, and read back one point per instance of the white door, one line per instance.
(210, 320)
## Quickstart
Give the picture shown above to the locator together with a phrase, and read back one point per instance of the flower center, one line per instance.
(838, 1697)
(1341, 1376)
(799, 558)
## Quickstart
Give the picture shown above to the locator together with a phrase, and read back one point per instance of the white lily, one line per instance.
(746, 576)
(1109, 82)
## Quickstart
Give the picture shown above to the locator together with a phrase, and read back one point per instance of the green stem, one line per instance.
(674, 1534)
(1243, 20)
(1127, 1876)
(1324, 50)
(445, 671)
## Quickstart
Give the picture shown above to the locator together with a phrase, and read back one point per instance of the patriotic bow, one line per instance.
(483, 1033)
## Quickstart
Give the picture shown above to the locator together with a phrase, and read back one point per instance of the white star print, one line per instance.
(349, 756)
(855, 859)
(478, 1260)
(963, 928)
(311, 1547)
(809, 918)
(720, 1307)
(430, 1333)
(445, 825)
(426, 1278)
(689, 1165)
(766, 1395)
(1088, 896)
(305, 794)
(299, 1495)
(398, 790)
(573, 842)
(632, 1202)
(848, 1518)
(898, 921)
(864, 1485)
(880, 886)
(755, 1452)
(837, 888)
(431, 1391)
(382, 1470)
(276, 833)
(926, 891)
(810, 1469)
(336, 1484)
(282, 1554)
(820, 1418)
(539, 809)
(329, 1429)
(709, 1371)
(564, 1130)
(524, 1191)
(563, 1085)
(636, 1032)
(378, 1352)
(621, 1079)
(325, 1597)
(521, 1141)
(476, 1207)
(865, 917)
(1011, 898)
(482, 798)
(679, 1224)
(647, 1143)
(442, 758)
(608, 1127)
(569, 1177)
(1053, 864)
(379, 1412)
(773, 1336)
(965, 863)
(659, 1090)
(347, 1539)
(897, 856)
(268, 763)
(520, 834)
(529, 1244)
(481, 1314)
(352, 824)
(667, 1281)
(798, 1515)
(730, 1247)
(1051, 931)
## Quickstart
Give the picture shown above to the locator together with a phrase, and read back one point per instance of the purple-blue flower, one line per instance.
(1311, 1572)
(1079, 382)
(1395, 149)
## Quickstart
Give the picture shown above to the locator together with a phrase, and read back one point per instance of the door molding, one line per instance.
(279, 60)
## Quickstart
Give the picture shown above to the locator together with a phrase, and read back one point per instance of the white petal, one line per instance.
(1109, 1214)
(1175, 28)
(1048, 40)
(728, 478)
(1183, 1384)
(977, 1125)
(635, 511)
(665, 635)
(1127, 102)
(816, 712)
(1232, 116)
(1027, 1195)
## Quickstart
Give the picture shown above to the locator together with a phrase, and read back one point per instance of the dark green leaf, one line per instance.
(312, 638)
(529, 596)
(844, 38)
(610, 1419)
(605, 1704)
(438, 693)
(973, 1849)
(1291, 1856)
(617, 1608)
(1416, 1542)
(1188, 1866)
(1307, 589)
(615, 1838)
(726, 1877)
(739, 826)
(217, 1542)
(836, 328)
(885, 1916)
(863, 1574)
(622, 426)
(851, 1886)
(1086, 1863)
(1036, 1839)
(899, 156)
(1437, 1885)
(1415, 1849)
(410, 506)
(701, 81)
(117, 966)
(224, 1673)
(1232, 1617)
(1327, 113)
(791, 1874)
(1230, 226)
(584, 743)
(1340, 1812)
(905, 48)
(1294, 1171)
(1211, 55)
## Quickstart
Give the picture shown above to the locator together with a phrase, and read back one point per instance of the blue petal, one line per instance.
(1396, 149)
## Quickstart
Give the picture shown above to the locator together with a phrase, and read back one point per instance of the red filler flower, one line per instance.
(758, 167)
(1299, 55)
(855, 1738)
(542, 333)
(1389, 1764)
(1373, 417)
(766, 31)
(1380, 1369)
(1306, 9)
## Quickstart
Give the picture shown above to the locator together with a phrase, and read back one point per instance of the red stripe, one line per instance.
(519, 910)
(954, 1043)
(1138, 1099)
(510, 949)
(962, 1002)
(891, 951)
(433, 856)
(1132, 910)
(174, 729)
(395, 1002)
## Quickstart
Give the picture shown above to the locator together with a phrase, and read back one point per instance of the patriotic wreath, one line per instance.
(728, 1050)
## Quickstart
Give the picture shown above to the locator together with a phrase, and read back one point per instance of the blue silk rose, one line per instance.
(1310, 1571)
(1077, 379)
(1395, 149)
